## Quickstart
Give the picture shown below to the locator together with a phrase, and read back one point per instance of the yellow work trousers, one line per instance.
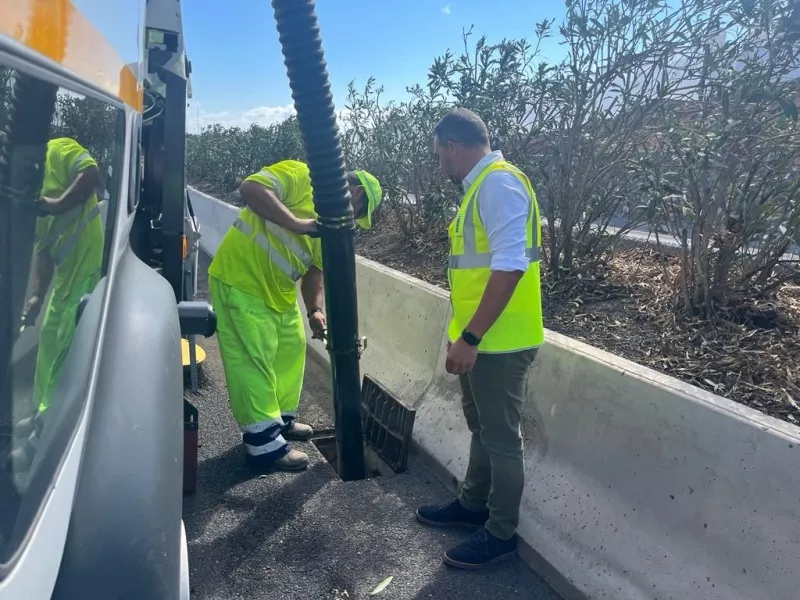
(55, 339)
(264, 355)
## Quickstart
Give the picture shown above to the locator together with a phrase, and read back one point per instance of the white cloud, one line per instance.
(197, 119)
(447, 10)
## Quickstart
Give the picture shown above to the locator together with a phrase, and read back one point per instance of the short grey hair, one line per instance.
(462, 126)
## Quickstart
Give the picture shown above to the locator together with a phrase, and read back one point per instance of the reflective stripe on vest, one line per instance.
(278, 259)
(471, 258)
(76, 164)
(60, 227)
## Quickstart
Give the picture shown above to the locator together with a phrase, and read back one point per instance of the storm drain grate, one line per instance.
(387, 424)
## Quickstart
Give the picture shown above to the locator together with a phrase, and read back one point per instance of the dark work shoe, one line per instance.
(451, 514)
(480, 550)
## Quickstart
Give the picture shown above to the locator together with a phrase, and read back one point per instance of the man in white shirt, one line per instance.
(495, 333)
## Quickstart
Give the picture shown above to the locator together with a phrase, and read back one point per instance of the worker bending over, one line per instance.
(68, 251)
(253, 285)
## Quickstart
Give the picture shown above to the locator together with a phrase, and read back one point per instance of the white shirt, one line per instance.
(503, 205)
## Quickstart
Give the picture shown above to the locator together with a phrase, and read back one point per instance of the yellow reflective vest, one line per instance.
(266, 260)
(520, 326)
(75, 238)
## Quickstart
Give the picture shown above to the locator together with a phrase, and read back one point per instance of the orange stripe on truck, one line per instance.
(57, 30)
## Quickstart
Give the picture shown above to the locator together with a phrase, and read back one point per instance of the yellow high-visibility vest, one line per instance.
(75, 238)
(520, 326)
(266, 260)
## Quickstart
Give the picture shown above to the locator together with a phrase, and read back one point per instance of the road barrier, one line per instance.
(638, 486)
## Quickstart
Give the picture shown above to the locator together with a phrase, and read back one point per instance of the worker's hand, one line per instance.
(318, 324)
(52, 206)
(305, 226)
(461, 357)
(31, 310)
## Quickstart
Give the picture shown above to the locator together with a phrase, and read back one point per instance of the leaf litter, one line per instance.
(755, 366)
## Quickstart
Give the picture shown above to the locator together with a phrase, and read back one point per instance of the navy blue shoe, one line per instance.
(480, 550)
(451, 514)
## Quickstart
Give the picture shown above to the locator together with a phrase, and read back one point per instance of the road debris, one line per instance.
(381, 586)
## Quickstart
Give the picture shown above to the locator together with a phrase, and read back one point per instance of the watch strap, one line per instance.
(470, 338)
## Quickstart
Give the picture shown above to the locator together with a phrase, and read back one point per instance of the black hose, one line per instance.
(313, 101)
(308, 78)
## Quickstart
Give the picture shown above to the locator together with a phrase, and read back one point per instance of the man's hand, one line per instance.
(461, 357)
(304, 226)
(31, 310)
(318, 324)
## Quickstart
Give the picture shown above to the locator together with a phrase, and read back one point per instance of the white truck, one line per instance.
(98, 256)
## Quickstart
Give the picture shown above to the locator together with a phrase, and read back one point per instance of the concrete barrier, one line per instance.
(214, 216)
(638, 486)
(403, 320)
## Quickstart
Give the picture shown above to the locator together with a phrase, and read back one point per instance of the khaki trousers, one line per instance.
(493, 397)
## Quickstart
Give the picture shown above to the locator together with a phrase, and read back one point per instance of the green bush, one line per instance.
(92, 124)
(655, 113)
(723, 169)
(221, 157)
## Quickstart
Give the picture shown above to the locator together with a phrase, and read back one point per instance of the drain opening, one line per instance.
(387, 425)
(375, 465)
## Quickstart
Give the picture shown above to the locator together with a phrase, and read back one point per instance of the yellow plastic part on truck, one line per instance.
(200, 354)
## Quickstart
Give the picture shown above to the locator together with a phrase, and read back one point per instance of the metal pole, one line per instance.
(173, 192)
(308, 79)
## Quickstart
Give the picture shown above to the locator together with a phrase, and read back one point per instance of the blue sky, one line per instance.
(238, 73)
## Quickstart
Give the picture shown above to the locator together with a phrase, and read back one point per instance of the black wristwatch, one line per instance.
(470, 338)
(313, 311)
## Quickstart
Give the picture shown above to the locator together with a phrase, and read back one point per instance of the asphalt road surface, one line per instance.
(311, 536)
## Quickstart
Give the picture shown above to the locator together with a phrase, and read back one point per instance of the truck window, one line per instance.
(60, 162)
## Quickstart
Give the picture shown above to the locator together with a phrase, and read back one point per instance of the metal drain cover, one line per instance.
(387, 424)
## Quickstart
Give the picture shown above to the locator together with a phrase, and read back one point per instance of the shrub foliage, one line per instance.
(681, 118)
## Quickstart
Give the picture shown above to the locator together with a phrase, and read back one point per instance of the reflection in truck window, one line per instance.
(68, 254)
(59, 153)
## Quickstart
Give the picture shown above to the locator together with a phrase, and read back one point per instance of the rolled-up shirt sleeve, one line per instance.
(503, 205)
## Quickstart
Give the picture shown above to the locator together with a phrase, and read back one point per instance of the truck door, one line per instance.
(61, 151)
